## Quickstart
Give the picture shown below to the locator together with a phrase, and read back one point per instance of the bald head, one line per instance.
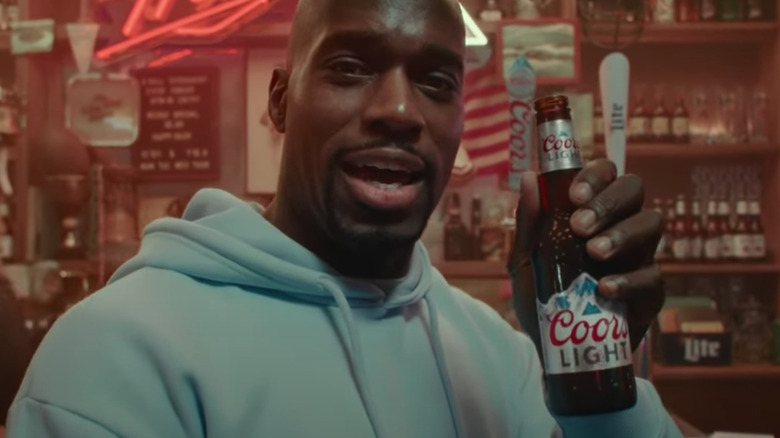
(313, 15)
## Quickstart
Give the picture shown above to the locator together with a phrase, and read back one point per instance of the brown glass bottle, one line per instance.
(588, 370)
(660, 122)
(712, 233)
(456, 235)
(758, 251)
(742, 238)
(680, 122)
(726, 231)
(681, 231)
(661, 253)
(639, 128)
(697, 231)
(669, 229)
(476, 228)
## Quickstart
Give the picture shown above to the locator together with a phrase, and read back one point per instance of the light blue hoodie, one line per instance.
(223, 327)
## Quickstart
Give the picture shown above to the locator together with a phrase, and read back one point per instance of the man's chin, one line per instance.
(376, 238)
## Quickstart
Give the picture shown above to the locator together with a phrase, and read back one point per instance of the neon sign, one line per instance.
(212, 18)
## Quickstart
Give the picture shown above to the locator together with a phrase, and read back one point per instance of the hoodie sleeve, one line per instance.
(100, 373)
(647, 419)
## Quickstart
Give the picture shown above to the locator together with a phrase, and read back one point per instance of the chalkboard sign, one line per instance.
(178, 139)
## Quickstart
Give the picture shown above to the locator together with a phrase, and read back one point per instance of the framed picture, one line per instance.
(264, 143)
(552, 47)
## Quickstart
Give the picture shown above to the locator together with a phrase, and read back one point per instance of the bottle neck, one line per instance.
(558, 148)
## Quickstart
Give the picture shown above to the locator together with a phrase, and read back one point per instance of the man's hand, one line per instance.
(621, 235)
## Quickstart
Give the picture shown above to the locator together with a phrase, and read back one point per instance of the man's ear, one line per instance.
(277, 98)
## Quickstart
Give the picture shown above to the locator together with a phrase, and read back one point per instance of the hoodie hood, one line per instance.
(227, 240)
(222, 239)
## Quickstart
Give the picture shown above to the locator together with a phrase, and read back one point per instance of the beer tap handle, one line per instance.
(613, 78)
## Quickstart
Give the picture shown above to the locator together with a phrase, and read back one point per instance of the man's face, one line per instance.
(373, 117)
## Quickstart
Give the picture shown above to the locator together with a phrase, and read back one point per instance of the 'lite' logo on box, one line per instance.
(697, 349)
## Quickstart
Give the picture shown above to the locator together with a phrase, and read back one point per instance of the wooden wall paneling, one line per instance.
(744, 405)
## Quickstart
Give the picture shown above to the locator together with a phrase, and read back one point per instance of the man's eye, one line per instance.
(348, 68)
(440, 83)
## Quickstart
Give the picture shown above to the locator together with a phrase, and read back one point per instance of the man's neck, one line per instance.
(378, 263)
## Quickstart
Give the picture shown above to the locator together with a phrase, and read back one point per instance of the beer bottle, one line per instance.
(586, 347)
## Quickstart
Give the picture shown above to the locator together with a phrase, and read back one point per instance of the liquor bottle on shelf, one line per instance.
(700, 121)
(598, 122)
(758, 247)
(681, 247)
(491, 12)
(712, 233)
(565, 278)
(493, 238)
(475, 235)
(743, 239)
(6, 232)
(730, 10)
(663, 11)
(726, 231)
(680, 122)
(661, 253)
(669, 233)
(696, 231)
(639, 122)
(708, 10)
(456, 236)
(660, 122)
(758, 130)
(756, 10)
(687, 11)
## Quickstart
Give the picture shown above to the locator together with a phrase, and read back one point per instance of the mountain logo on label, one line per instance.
(591, 309)
(562, 302)
(584, 286)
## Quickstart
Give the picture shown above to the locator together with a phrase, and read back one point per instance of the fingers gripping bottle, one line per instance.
(586, 347)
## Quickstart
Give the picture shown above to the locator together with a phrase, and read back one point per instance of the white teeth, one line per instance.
(384, 186)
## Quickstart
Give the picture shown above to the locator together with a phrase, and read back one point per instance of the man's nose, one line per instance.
(392, 112)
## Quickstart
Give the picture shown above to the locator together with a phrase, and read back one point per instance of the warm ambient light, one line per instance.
(228, 14)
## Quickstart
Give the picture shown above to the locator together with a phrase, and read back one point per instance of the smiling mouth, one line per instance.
(384, 178)
(384, 166)
(382, 174)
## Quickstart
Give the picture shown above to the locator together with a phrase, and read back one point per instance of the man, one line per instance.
(322, 316)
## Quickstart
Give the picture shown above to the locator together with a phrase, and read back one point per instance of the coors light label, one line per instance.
(558, 148)
(582, 331)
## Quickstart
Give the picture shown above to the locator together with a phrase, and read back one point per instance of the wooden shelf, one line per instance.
(79, 265)
(720, 268)
(497, 270)
(739, 371)
(676, 150)
(710, 33)
(740, 32)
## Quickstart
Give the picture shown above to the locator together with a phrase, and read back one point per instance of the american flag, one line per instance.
(487, 117)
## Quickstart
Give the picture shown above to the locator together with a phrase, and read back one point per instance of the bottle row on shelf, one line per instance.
(711, 237)
(487, 238)
(716, 115)
(729, 228)
(687, 11)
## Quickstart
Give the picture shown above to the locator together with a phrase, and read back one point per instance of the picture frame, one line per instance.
(551, 45)
(264, 143)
